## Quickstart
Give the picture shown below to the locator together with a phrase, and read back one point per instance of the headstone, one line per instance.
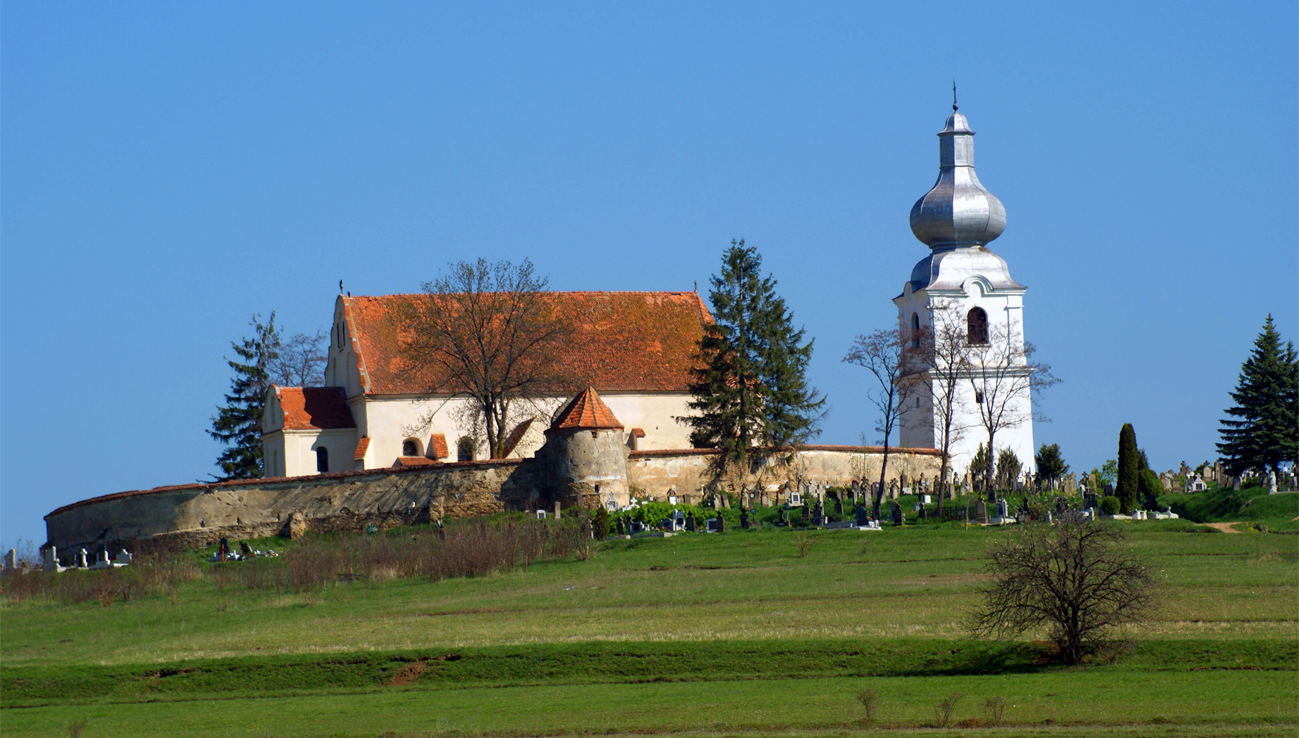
(897, 514)
(818, 514)
(921, 511)
(712, 524)
(781, 518)
(1002, 511)
(124, 558)
(541, 515)
(1271, 482)
(223, 550)
(805, 512)
(51, 559)
(721, 524)
(556, 509)
(981, 512)
(81, 560)
(1109, 490)
(622, 531)
(1235, 483)
(744, 518)
(838, 507)
(245, 551)
(11, 560)
(862, 517)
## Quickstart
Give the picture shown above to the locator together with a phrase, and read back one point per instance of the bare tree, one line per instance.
(488, 332)
(300, 361)
(1004, 378)
(891, 358)
(943, 348)
(1074, 577)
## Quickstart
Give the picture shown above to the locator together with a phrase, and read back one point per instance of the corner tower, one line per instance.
(962, 300)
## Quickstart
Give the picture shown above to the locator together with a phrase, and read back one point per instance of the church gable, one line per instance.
(621, 341)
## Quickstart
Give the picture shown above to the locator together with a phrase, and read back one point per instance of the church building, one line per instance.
(965, 287)
(636, 348)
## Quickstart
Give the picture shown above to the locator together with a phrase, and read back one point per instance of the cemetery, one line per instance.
(724, 614)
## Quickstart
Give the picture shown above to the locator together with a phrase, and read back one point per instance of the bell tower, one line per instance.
(961, 299)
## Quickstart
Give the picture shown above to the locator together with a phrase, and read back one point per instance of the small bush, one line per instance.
(870, 702)
(944, 710)
(1109, 505)
(996, 709)
(804, 544)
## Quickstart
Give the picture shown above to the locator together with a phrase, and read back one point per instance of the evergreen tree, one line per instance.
(750, 388)
(1129, 470)
(979, 469)
(1263, 428)
(239, 423)
(1050, 465)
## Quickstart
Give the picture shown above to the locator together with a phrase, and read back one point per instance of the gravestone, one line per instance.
(897, 514)
(838, 507)
(81, 560)
(721, 524)
(51, 559)
(744, 518)
(124, 558)
(1271, 482)
(781, 518)
(921, 511)
(556, 509)
(981, 512)
(245, 551)
(1002, 511)
(11, 560)
(690, 521)
(818, 514)
(862, 517)
(541, 515)
(223, 550)
(805, 512)
(620, 529)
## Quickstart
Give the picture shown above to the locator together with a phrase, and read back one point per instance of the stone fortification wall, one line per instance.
(200, 514)
(688, 473)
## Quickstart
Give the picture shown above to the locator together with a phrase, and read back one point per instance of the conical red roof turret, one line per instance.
(585, 412)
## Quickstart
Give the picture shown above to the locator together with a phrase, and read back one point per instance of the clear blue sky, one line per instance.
(170, 169)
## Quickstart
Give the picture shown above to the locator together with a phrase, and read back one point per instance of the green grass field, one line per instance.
(712, 635)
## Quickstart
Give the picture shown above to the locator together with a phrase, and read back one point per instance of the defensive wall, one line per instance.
(200, 514)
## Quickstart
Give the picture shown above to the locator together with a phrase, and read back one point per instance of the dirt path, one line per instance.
(1224, 527)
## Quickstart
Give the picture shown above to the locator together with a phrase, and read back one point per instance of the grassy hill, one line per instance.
(745, 633)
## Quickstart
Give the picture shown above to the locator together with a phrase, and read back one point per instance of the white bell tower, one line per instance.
(962, 293)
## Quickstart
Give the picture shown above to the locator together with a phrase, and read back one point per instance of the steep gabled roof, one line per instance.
(314, 408)
(585, 412)
(621, 341)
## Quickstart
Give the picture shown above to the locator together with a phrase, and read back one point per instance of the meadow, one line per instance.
(745, 633)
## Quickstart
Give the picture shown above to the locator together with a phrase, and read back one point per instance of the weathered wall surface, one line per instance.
(587, 467)
(202, 513)
(199, 514)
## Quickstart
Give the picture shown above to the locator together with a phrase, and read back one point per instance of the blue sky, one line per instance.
(170, 169)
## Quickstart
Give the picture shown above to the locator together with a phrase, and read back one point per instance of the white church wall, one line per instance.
(298, 449)
(655, 413)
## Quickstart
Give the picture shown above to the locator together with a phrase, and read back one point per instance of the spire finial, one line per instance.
(954, 105)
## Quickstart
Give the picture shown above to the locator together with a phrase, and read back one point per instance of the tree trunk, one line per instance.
(884, 467)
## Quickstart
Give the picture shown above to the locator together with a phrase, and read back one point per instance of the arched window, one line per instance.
(465, 449)
(976, 327)
(322, 460)
(915, 331)
(410, 447)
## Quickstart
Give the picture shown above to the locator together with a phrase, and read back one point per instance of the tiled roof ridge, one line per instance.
(352, 336)
(586, 411)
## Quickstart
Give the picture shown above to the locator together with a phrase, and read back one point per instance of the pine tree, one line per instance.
(239, 423)
(750, 388)
(1050, 465)
(1263, 428)
(1129, 469)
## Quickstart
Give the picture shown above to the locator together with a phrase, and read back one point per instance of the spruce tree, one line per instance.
(1262, 429)
(750, 388)
(1129, 469)
(239, 423)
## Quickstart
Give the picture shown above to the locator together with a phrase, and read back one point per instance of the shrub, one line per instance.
(1110, 505)
(996, 709)
(943, 710)
(869, 701)
(600, 523)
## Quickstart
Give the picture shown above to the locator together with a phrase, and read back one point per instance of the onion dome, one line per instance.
(958, 211)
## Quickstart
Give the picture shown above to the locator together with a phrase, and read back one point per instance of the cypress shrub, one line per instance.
(1129, 469)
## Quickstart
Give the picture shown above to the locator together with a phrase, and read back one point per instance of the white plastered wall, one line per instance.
(1006, 318)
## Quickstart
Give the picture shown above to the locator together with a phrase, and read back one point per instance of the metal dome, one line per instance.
(958, 211)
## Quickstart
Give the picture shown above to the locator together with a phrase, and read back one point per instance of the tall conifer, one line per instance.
(1262, 429)
(1129, 469)
(750, 387)
(239, 423)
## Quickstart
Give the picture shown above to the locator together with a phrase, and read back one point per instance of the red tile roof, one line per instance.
(314, 408)
(361, 447)
(438, 444)
(621, 341)
(414, 461)
(638, 432)
(585, 412)
(516, 435)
